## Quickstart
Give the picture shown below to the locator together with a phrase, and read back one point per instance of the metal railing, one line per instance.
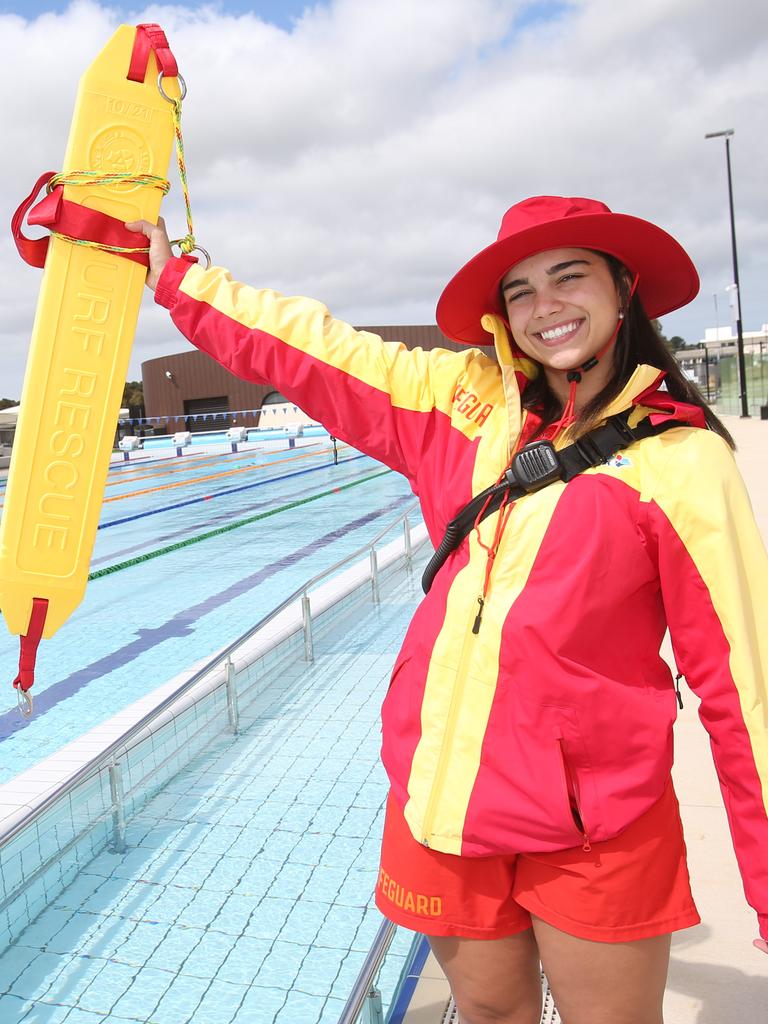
(108, 757)
(364, 995)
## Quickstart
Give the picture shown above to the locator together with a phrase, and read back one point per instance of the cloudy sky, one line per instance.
(359, 151)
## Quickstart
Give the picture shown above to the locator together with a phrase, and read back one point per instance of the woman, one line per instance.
(527, 725)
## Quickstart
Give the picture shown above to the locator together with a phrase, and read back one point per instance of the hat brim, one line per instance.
(667, 277)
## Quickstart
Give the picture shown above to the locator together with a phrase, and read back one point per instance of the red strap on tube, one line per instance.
(151, 37)
(29, 644)
(58, 214)
(31, 250)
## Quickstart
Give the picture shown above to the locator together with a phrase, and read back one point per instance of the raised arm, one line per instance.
(378, 396)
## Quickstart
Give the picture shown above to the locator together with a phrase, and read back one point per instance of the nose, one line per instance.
(545, 303)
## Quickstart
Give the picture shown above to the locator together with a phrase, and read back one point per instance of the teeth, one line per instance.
(558, 332)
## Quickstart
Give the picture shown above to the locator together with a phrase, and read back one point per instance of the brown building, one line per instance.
(191, 391)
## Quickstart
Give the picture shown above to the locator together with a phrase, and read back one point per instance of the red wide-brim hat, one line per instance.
(667, 278)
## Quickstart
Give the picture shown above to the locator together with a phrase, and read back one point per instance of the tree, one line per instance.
(133, 394)
(675, 343)
(8, 403)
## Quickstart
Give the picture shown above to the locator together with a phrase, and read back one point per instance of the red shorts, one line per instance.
(631, 887)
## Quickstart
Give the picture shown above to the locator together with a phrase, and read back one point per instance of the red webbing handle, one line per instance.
(31, 250)
(58, 214)
(150, 37)
(29, 644)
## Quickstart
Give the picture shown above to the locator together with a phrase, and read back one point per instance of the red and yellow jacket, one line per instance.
(561, 699)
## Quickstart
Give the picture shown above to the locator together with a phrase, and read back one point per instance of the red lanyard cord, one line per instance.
(567, 417)
(505, 510)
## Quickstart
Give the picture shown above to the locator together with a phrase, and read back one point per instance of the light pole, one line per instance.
(739, 334)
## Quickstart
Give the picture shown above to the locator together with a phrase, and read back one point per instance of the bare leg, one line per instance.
(604, 982)
(494, 981)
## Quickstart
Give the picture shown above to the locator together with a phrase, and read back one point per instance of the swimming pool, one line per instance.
(244, 894)
(192, 551)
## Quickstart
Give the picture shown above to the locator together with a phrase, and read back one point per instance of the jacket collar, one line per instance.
(645, 380)
(516, 371)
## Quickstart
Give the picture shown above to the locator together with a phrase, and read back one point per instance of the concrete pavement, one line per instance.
(716, 976)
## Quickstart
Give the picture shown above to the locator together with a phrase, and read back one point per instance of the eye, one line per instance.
(517, 295)
(569, 277)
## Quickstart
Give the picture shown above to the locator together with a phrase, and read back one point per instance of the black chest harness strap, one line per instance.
(536, 465)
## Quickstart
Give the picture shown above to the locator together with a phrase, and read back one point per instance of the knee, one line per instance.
(480, 1009)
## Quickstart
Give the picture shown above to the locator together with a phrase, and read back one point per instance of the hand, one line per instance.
(159, 247)
(761, 944)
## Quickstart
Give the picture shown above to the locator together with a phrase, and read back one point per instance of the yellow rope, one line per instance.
(187, 244)
(97, 245)
(97, 178)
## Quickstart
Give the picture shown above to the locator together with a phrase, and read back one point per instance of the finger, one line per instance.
(142, 226)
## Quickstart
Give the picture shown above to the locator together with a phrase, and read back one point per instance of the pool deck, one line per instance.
(716, 976)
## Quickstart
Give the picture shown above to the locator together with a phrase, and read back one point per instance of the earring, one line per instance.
(621, 314)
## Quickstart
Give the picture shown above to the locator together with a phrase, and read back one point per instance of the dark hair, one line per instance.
(637, 342)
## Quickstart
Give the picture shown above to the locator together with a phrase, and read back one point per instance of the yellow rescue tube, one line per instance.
(81, 342)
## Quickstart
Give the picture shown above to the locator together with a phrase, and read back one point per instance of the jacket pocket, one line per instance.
(571, 797)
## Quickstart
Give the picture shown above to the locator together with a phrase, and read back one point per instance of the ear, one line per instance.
(624, 289)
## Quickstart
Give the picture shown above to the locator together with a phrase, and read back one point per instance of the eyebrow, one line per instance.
(552, 270)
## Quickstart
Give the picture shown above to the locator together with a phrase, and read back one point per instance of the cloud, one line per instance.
(364, 154)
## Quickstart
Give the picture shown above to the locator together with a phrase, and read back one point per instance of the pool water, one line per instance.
(245, 894)
(181, 582)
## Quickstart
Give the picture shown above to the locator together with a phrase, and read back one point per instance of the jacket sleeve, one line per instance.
(378, 396)
(714, 578)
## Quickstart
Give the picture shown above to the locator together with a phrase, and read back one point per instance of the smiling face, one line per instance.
(563, 307)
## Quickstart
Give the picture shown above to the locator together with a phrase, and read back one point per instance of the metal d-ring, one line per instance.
(26, 704)
(198, 248)
(165, 95)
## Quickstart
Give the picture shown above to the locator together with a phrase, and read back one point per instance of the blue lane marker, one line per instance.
(218, 494)
(242, 510)
(180, 625)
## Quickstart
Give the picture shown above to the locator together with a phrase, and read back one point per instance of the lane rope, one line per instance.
(222, 493)
(230, 526)
(205, 479)
(175, 468)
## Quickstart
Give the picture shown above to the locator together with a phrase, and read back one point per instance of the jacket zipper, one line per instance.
(450, 726)
(573, 802)
(450, 723)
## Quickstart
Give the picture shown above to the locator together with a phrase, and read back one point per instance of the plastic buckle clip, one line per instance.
(589, 451)
(535, 465)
